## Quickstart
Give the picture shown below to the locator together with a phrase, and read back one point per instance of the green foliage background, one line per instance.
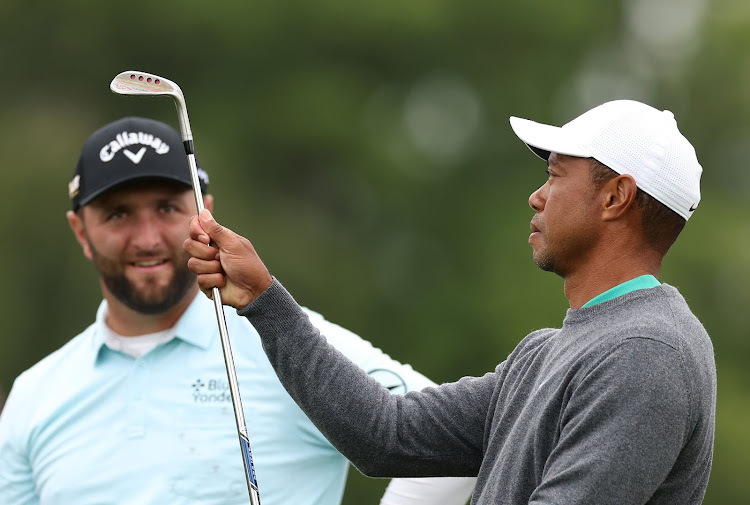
(365, 148)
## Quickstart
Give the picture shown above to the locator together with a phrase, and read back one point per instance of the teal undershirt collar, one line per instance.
(642, 282)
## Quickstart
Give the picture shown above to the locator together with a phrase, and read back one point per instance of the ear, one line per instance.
(79, 231)
(208, 202)
(618, 196)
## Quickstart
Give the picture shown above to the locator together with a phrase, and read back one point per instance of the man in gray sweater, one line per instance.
(615, 407)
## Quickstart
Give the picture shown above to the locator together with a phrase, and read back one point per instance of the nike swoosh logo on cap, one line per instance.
(135, 158)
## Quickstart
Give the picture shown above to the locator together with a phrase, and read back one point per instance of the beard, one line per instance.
(562, 255)
(145, 301)
(545, 262)
(550, 262)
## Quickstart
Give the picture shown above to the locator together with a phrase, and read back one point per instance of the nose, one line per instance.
(537, 199)
(147, 233)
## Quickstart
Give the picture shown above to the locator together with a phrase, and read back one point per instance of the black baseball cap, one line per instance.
(128, 149)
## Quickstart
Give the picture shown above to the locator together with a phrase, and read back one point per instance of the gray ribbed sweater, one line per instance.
(616, 407)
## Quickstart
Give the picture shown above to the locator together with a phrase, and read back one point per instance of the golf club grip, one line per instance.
(234, 391)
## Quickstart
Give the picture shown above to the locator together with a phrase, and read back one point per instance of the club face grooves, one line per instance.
(133, 82)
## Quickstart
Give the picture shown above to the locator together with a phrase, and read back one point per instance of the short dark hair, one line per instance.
(661, 225)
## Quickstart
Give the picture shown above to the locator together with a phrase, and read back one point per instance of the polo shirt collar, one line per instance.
(190, 327)
(642, 282)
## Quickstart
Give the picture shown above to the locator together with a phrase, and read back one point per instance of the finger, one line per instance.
(199, 249)
(200, 267)
(220, 235)
(210, 281)
(197, 232)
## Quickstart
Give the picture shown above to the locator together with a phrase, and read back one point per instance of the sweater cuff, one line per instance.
(273, 308)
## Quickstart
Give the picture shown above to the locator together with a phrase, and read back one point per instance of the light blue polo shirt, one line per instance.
(91, 426)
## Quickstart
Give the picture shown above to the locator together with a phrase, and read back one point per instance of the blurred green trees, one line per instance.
(365, 148)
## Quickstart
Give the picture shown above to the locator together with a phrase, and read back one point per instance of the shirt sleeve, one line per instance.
(635, 403)
(398, 378)
(429, 490)
(438, 431)
(17, 485)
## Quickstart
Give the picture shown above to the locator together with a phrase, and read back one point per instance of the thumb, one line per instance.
(218, 233)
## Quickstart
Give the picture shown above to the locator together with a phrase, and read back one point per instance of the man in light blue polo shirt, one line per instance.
(136, 409)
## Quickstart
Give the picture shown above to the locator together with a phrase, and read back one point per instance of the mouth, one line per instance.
(149, 264)
(535, 231)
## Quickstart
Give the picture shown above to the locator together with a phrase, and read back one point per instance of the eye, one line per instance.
(168, 208)
(116, 215)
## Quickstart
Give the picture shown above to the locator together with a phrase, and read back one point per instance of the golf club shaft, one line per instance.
(234, 389)
(136, 83)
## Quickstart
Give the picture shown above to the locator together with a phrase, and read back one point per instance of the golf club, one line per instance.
(144, 84)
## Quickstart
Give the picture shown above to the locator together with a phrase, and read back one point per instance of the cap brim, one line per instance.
(544, 139)
(126, 180)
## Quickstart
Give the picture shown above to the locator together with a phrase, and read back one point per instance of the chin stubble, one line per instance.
(126, 292)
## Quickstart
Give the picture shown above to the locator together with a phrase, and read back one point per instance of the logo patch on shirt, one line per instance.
(390, 379)
(211, 391)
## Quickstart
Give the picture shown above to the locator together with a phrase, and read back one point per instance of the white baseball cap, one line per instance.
(630, 138)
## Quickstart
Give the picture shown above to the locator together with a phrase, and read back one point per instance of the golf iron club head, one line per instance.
(137, 83)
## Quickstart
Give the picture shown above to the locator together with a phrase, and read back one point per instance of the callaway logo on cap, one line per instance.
(125, 150)
(630, 138)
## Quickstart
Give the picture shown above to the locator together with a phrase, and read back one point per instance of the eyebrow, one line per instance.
(109, 200)
(558, 165)
(104, 203)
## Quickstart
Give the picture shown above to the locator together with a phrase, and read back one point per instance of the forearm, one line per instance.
(382, 434)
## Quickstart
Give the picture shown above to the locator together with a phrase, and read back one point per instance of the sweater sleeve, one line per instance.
(438, 431)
